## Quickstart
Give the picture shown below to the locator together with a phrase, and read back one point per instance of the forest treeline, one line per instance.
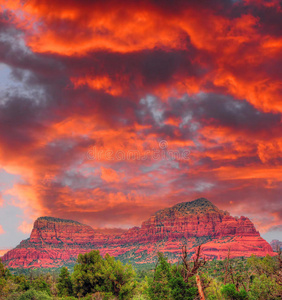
(95, 277)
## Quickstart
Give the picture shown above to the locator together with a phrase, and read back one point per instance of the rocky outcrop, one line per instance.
(54, 242)
(276, 245)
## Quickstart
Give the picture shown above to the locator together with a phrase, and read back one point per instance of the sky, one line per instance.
(111, 110)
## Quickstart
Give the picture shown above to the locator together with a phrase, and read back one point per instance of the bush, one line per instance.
(34, 295)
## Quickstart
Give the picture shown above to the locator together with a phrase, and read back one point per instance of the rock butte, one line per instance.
(276, 245)
(54, 242)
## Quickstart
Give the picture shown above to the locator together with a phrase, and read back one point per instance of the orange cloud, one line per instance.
(1, 230)
(268, 151)
(3, 251)
(109, 175)
(229, 42)
(25, 227)
(122, 76)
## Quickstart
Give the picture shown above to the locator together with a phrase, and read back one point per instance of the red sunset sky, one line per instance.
(204, 76)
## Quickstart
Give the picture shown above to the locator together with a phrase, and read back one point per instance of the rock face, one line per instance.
(54, 242)
(276, 245)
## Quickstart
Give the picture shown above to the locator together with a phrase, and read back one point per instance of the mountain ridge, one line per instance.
(200, 205)
(199, 202)
(276, 245)
(50, 218)
(54, 241)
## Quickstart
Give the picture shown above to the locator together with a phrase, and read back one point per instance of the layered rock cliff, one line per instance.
(54, 242)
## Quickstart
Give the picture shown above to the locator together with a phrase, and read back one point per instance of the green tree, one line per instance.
(94, 274)
(159, 287)
(265, 288)
(7, 286)
(39, 284)
(213, 292)
(181, 289)
(229, 292)
(87, 275)
(9, 289)
(4, 272)
(118, 278)
(266, 277)
(22, 281)
(64, 285)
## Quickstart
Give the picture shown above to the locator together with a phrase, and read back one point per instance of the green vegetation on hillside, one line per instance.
(52, 219)
(199, 206)
(95, 277)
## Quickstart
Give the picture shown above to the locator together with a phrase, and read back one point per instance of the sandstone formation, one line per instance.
(54, 242)
(276, 245)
